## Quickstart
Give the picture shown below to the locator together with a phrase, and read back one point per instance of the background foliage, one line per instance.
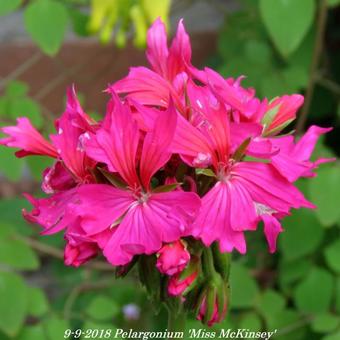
(283, 46)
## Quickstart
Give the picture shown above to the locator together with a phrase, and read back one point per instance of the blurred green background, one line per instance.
(282, 46)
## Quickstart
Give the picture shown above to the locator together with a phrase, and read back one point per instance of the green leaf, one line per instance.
(303, 234)
(17, 254)
(295, 77)
(241, 26)
(324, 191)
(32, 332)
(15, 89)
(3, 107)
(270, 303)
(287, 22)
(332, 255)
(26, 107)
(80, 22)
(291, 271)
(8, 6)
(273, 84)
(38, 303)
(337, 295)
(314, 293)
(333, 3)
(283, 322)
(102, 308)
(258, 52)
(55, 328)
(10, 166)
(324, 323)
(13, 303)
(46, 22)
(251, 321)
(11, 216)
(333, 336)
(37, 165)
(243, 287)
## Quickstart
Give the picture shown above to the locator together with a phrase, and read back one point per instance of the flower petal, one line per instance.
(101, 205)
(156, 147)
(28, 139)
(157, 49)
(272, 228)
(213, 222)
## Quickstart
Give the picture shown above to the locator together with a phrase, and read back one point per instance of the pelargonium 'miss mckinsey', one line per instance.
(182, 161)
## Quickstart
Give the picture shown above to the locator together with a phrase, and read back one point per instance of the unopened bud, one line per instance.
(172, 258)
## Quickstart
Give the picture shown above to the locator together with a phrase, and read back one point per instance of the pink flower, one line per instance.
(242, 102)
(229, 208)
(70, 127)
(141, 219)
(293, 160)
(128, 185)
(178, 285)
(51, 212)
(172, 258)
(272, 229)
(80, 248)
(76, 256)
(28, 139)
(57, 178)
(169, 69)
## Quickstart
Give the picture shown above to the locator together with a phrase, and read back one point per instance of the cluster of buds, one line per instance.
(181, 166)
(197, 275)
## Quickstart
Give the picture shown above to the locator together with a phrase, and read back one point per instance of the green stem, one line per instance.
(208, 263)
(176, 321)
(318, 48)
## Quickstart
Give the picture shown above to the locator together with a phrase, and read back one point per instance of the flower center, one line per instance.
(224, 170)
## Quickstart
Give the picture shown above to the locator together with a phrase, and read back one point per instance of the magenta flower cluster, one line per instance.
(182, 154)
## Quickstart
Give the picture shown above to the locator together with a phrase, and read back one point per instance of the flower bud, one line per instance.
(180, 283)
(213, 306)
(172, 258)
(79, 254)
(281, 111)
(177, 285)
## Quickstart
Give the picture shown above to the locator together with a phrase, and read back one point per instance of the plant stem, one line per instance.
(176, 321)
(318, 46)
(208, 263)
(59, 254)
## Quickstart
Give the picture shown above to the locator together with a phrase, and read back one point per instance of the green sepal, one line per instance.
(241, 150)
(277, 129)
(194, 298)
(113, 179)
(270, 115)
(122, 271)
(150, 277)
(166, 187)
(221, 262)
(205, 172)
(193, 266)
(222, 297)
(210, 303)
